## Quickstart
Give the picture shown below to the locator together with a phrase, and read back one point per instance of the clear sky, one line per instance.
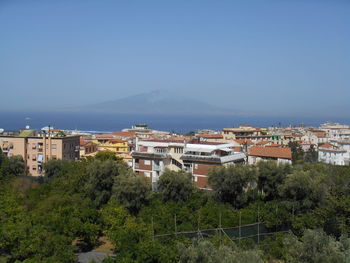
(275, 56)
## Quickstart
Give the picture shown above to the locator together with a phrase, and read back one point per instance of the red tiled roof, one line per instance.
(274, 152)
(262, 143)
(244, 141)
(274, 145)
(124, 133)
(194, 141)
(210, 136)
(327, 145)
(116, 141)
(104, 136)
(165, 140)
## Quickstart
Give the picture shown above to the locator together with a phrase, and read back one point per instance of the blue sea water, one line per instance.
(114, 122)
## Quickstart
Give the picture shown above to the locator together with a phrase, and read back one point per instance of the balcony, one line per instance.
(214, 158)
(153, 155)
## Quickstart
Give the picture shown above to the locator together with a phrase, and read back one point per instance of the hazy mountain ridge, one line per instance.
(156, 102)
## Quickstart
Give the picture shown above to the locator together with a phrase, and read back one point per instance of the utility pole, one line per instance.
(175, 225)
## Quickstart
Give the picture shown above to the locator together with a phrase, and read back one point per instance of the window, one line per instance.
(54, 146)
(196, 166)
(147, 162)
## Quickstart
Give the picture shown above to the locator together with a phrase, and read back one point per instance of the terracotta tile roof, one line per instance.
(237, 149)
(274, 145)
(327, 145)
(262, 143)
(195, 141)
(273, 152)
(297, 135)
(244, 141)
(104, 136)
(164, 140)
(124, 133)
(82, 141)
(210, 136)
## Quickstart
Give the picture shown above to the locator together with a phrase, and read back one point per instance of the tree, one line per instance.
(206, 252)
(101, 176)
(16, 165)
(311, 155)
(297, 152)
(304, 189)
(175, 186)
(103, 156)
(56, 168)
(231, 184)
(271, 175)
(316, 247)
(132, 192)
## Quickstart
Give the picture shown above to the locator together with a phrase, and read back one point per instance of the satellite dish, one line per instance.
(27, 127)
(2, 130)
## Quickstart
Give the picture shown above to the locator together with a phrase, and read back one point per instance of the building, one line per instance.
(337, 152)
(336, 131)
(152, 157)
(281, 155)
(40, 148)
(245, 132)
(199, 158)
(87, 148)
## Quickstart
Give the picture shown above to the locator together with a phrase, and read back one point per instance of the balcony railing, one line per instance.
(150, 155)
(214, 158)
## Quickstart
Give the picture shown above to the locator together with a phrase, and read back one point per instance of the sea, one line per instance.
(99, 123)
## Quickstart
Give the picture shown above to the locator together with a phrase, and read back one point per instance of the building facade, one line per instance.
(152, 157)
(36, 150)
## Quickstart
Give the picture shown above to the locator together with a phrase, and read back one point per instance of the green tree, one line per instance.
(316, 246)
(103, 156)
(304, 189)
(101, 176)
(206, 252)
(271, 175)
(232, 184)
(132, 192)
(175, 186)
(311, 155)
(297, 152)
(55, 168)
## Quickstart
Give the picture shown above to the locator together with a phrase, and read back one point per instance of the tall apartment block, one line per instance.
(152, 157)
(40, 148)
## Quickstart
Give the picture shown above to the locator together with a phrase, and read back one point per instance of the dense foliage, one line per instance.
(50, 219)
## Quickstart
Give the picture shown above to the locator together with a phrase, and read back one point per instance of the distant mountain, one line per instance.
(156, 102)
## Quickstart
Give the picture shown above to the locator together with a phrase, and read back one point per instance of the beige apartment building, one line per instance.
(36, 150)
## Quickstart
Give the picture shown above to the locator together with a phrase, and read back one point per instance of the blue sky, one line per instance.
(288, 57)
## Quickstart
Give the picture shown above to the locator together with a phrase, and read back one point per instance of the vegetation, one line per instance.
(50, 219)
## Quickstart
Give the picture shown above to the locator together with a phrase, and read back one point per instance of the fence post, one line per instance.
(220, 229)
(175, 225)
(152, 229)
(258, 224)
(239, 228)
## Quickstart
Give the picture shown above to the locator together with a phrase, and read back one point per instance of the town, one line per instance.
(150, 152)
